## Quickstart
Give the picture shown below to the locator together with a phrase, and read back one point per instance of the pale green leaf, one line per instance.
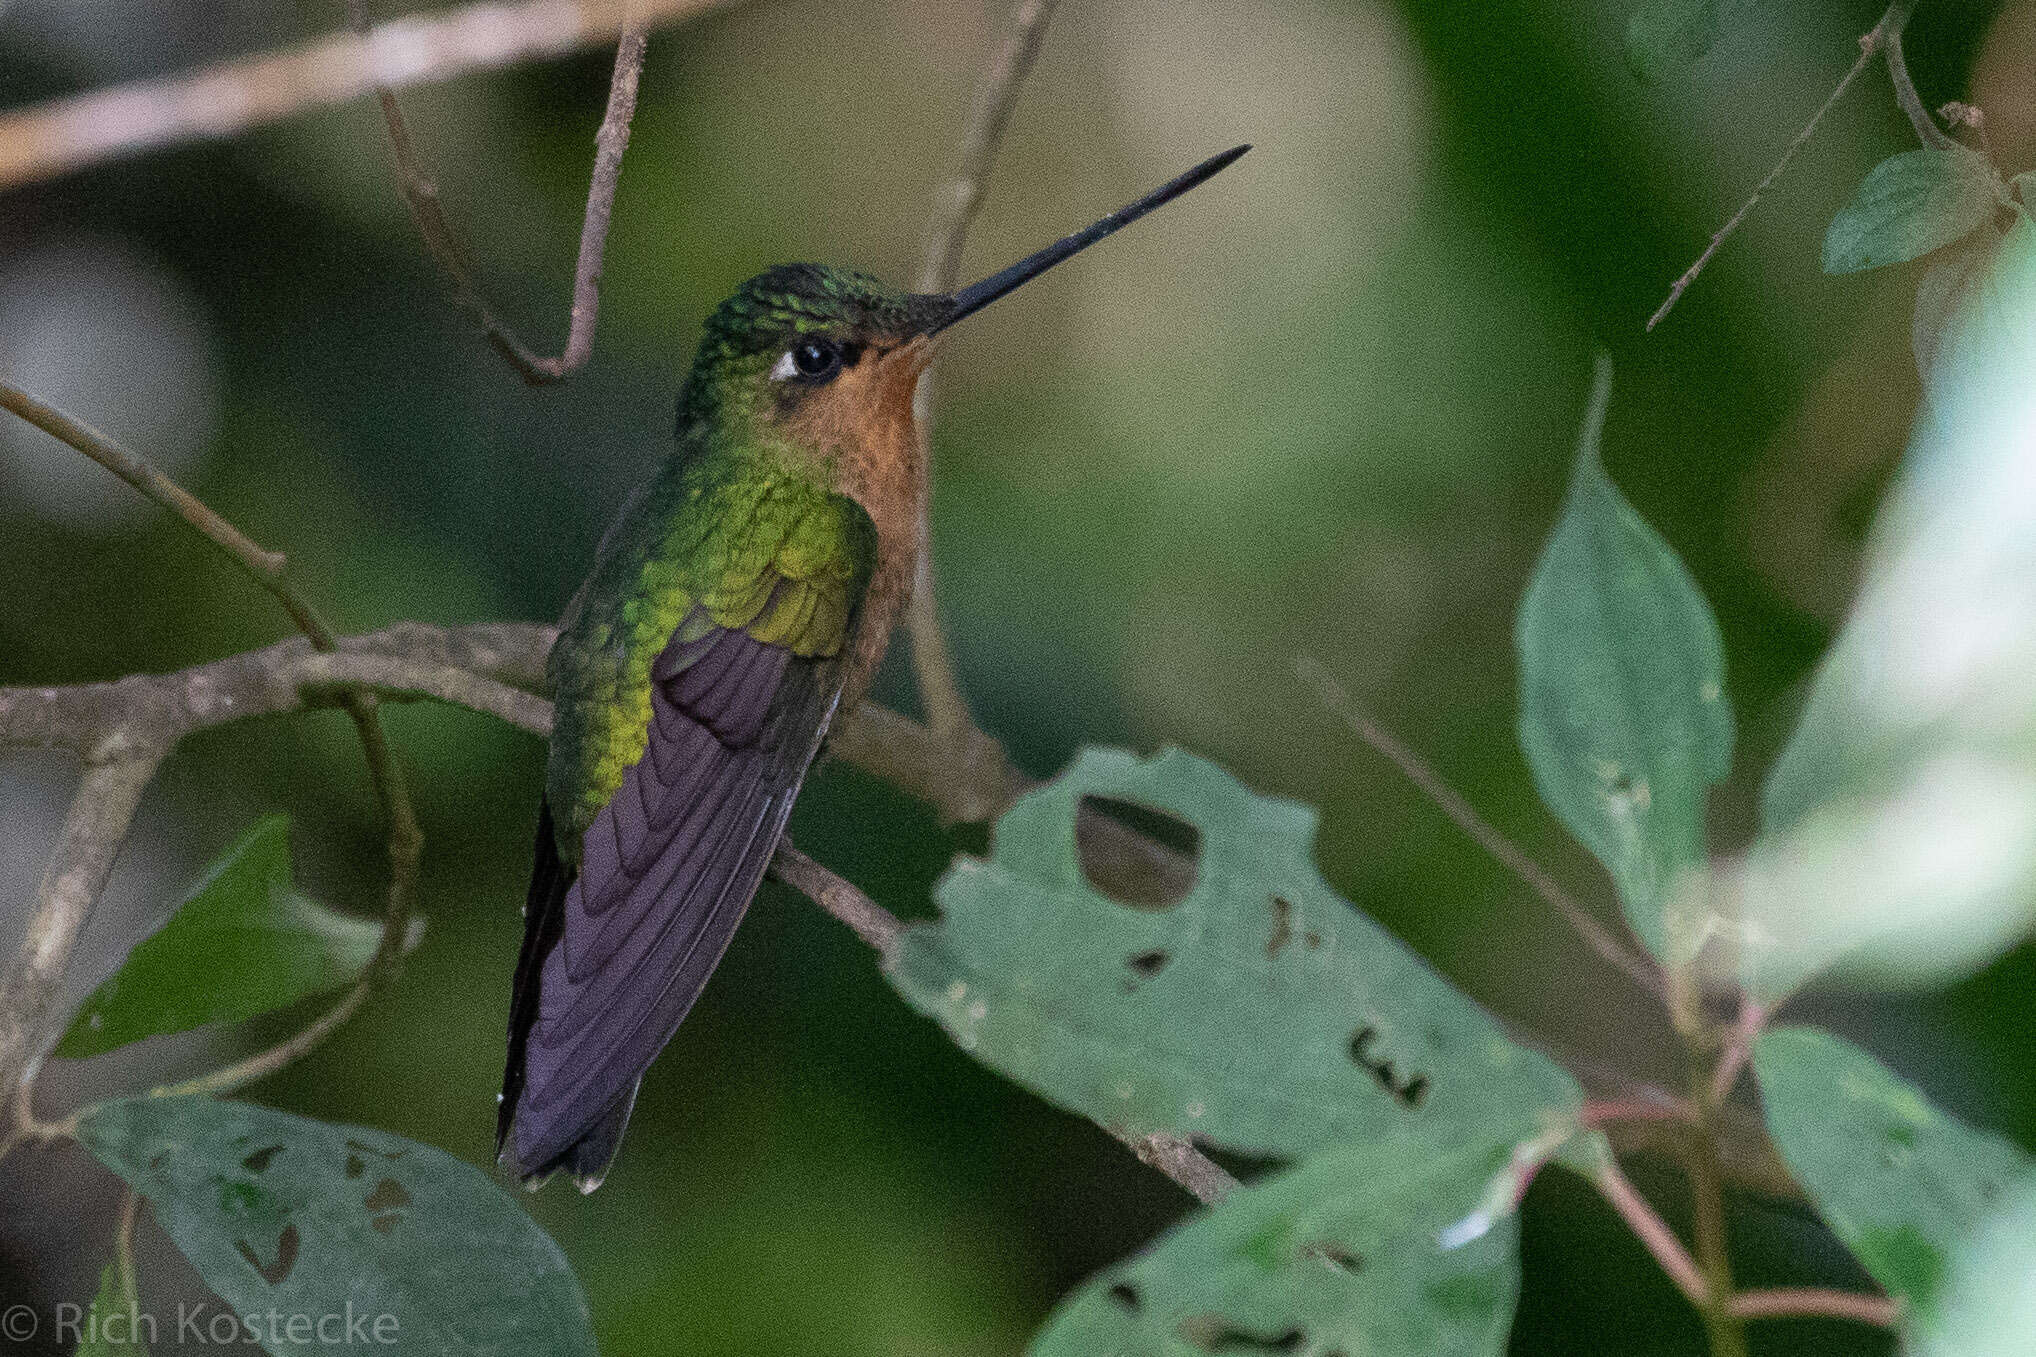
(1342, 1254)
(1623, 713)
(243, 943)
(1261, 1013)
(1987, 1304)
(1899, 838)
(1897, 1179)
(1909, 205)
(343, 1225)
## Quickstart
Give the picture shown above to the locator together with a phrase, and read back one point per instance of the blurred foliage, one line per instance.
(1331, 413)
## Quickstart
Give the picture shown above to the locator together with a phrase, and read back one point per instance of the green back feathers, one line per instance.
(727, 538)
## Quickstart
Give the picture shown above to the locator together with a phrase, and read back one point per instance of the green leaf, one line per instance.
(1987, 1304)
(285, 1217)
(1911, 204)
(1340, 1254)
(1261, 1012)
(1898, 1180)
(114, 1325)
(1623, 714)
(243, 943)
(1664, 36)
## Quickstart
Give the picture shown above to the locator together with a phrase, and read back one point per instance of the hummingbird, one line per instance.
(742, 598)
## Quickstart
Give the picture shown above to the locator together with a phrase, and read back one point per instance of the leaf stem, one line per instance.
(1816, 1302)
(955, 208)
(1652, 1231)
(1334, 696)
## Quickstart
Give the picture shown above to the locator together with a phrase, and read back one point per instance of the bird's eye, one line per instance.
(814, 359)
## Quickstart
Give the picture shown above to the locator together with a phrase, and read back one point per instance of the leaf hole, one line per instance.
(1411, 1092)
(1126, 1295)
(1214, 1333)
(1149, 964)
(258, 1162)
(286, 1256)
(1282, 928)
(1137, 856)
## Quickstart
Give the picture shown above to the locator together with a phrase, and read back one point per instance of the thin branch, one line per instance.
(224, 100)
(876, 926)
(1338, 700)
(1752, 1018)
(1652, 1231)
(1887, 30)
(262, 1064)
(1178, 1159)
(1927, 131)
(955, 208)
(101, 810)
(420, 193)
(405, 837)
(1817, 1303)
(1707, 1197)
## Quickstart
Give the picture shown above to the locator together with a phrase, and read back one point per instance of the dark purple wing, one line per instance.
(614, 958)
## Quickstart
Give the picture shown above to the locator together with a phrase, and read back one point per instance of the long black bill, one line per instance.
(976, 296)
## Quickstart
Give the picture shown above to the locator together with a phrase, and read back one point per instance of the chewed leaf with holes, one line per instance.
(300, 1217)
(1260, 1012)
(1623, 714)
(1338, 1255)
(243, 943)
(1899, 1180)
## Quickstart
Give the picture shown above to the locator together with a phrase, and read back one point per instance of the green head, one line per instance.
(778, 350)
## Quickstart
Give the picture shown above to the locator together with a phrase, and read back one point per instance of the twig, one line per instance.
(1178, 1159)
(955, 207)
(404, 836)
(1817, 1303)
(1652, 1231)
(1339, 702)
(123, 1257)
(231, 97)
(262, 1064)
(876, 926)
(420, 192)
(101, 811)
(1707, 1198)
(1888, 30)
(1927, 131)
(1752, 1018)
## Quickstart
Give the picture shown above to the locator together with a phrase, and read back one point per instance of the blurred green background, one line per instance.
(1324, 407)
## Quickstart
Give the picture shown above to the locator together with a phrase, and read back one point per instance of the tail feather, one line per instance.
(544, 921)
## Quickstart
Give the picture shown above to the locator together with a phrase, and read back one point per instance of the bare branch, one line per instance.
(1337, 699)
(1883, 36)
(1652, 1231)
(420, 193)
(1927, 131)
(955, 207)
(1178, 1159)
(1817, 1303)
(229, 98)
(101, 811)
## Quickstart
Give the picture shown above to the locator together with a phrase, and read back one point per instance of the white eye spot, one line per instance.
(785, 368)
